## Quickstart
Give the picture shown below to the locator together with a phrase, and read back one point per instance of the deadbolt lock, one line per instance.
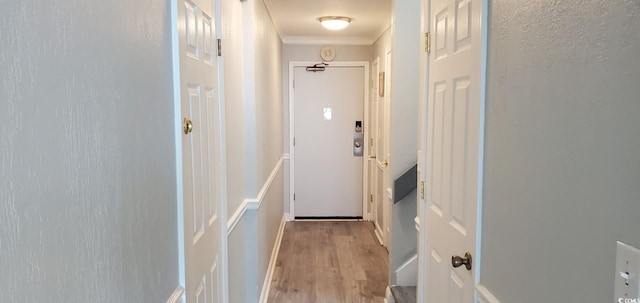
(187, 126)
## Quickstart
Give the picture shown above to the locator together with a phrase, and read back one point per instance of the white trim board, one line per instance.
(288, 217)
(484, 295)
(177, 295)
(366, 121)
(266, 285)
(253, 203)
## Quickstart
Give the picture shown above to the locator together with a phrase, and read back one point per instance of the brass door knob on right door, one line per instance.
(457, 261)
(187, 126)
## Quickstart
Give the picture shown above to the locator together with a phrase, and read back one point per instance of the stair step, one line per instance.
(404, 294)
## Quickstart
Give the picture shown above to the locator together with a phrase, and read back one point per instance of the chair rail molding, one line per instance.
(253, 203)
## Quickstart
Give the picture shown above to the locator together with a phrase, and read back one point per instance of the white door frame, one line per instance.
(423, 95)
(179, 294)
(365, 168)
(423, 270)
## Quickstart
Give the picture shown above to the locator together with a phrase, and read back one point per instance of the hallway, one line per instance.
(329, 262)
(126, 177)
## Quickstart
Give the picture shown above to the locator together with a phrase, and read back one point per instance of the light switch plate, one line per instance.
(627, 282)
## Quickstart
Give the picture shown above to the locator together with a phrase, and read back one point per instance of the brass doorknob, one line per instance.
(457, 261)
(187, 125)
(385, 163)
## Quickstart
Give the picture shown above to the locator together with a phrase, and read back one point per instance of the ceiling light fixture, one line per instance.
(334, 23)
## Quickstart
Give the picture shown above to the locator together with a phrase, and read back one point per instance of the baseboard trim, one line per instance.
(484, 295)
(253, 203)
(266, 285)
(388, 296)
(176, 296)
(330, 218)
(288, 217)
(378, 234)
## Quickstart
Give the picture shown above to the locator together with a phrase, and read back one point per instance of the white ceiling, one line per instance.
(297, 20)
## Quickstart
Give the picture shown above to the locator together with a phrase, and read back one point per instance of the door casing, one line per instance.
(366, 215)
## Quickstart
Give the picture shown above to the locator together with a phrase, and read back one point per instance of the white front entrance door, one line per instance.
(200, 109)
(454, 148)
(327, 175)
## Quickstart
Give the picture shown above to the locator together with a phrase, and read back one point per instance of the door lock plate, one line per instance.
(358, 144)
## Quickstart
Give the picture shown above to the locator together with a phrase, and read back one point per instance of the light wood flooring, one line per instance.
(330, 262)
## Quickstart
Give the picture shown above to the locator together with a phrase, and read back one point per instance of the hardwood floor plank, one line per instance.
(329, 262)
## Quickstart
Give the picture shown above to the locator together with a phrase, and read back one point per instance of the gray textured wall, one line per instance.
(404, 236)
(235, 116)
(243, 260)
(405, 47)
(254, 141)
(268, 87)
(87, 162)
(562, 166)
(269, 218)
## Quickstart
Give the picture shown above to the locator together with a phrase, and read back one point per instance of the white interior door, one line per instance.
(327, 176)
(374, 188)
(383, 182)
(200, 109)
(454, 148)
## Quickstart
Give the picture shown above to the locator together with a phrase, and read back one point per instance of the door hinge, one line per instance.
(371, 142)
(219, 47)
(294, 84)
(422, 190)
(427, 42)
(371, 84)
(371, 198)
(294, 196)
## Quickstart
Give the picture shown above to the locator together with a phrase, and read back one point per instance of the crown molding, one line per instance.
(383, 27)
(270, 11)
(317, 40)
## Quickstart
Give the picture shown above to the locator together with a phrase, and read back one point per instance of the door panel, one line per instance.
(200, 155)
(328, 177)
(453, 147)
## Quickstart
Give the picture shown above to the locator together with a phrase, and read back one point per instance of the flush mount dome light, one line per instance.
(334, 23)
